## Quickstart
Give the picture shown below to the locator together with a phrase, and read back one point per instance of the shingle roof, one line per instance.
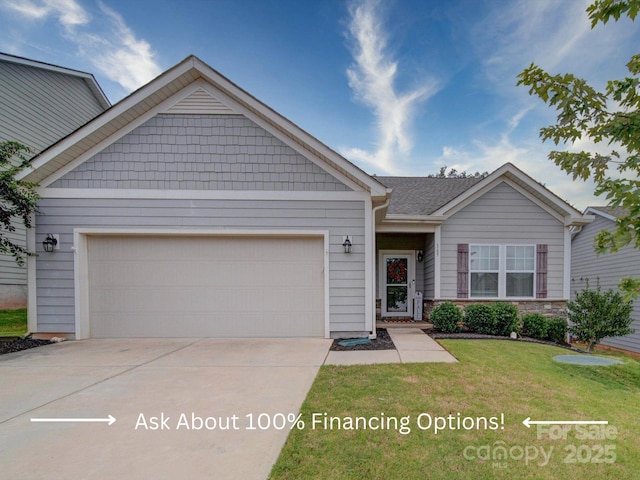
(423, 195)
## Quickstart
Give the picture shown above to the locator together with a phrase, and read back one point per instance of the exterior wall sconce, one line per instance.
(347, 244)
(50, 243)
(420, 255)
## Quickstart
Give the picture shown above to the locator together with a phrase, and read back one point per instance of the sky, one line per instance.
(398, 87)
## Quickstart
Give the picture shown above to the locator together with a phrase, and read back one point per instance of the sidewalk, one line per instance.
(412, 345)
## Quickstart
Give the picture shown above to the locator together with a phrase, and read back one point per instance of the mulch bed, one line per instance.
(18, 344)
(382, 342)
(478, 336)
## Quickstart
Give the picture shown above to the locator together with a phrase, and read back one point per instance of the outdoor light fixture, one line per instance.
(347, 244)
(420, 255)
(49, 243)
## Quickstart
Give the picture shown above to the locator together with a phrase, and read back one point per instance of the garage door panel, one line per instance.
(206, 286)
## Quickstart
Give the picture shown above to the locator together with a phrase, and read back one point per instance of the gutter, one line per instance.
(374, 210)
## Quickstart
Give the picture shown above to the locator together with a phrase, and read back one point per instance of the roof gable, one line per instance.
(187, 86)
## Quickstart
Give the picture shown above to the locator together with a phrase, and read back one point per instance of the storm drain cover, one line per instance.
(586, 360)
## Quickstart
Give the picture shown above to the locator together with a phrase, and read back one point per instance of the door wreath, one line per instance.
(397, 271)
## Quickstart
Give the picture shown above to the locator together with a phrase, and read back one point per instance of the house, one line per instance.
(606, 270)
(39, 104)
(192, 209)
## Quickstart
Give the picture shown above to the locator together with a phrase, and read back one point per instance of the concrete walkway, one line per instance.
(412, 345)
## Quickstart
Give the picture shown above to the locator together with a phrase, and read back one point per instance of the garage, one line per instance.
(205, 286)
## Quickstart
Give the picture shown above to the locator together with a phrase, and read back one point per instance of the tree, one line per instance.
(595, 314)
(453, 173)
(611, 117)
(18, 199)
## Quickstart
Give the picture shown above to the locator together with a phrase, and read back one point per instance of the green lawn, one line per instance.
(492, 378)
(13, 323)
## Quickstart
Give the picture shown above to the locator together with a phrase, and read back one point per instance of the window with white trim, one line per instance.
(502, 271)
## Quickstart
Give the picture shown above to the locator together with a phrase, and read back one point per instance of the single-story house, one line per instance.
(605, 270)
(39, 104)
(190, 208)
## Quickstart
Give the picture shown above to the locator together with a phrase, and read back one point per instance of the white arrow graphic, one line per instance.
(110, 420)
(528, 422)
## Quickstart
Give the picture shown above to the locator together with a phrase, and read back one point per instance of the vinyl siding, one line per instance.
(607, 269)
(38, 107)
(429, 267)
(200, 152)
(502, 216)
(55, 271)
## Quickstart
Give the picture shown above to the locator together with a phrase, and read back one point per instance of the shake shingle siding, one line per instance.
(607, 270)
(502, 216)
(200, 152)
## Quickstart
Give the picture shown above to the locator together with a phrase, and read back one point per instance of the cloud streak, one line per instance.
(105, 41)
(372, 78)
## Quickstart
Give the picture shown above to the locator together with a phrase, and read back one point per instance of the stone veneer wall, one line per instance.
(548, 308)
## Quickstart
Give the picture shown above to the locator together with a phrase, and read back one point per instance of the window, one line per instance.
(501, 271)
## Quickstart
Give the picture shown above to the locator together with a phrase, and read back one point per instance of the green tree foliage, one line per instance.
(453, 173)
(18, 199)
(611, 117)
(595, 314)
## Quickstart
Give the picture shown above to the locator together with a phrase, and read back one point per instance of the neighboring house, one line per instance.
(192, 209)
(606, 270)
(39, 104)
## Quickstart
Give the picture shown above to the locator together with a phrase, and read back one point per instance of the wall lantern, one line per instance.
(347, 244)
(420, 255)
(50, 243)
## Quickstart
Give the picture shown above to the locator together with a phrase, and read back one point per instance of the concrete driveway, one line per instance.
(157, 389)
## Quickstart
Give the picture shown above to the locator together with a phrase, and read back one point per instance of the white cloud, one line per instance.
(103, 40)
(372, 78)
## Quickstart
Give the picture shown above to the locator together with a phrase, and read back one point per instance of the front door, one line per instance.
(397, 284)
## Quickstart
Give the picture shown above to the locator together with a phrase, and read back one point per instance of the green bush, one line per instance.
(480, 318)
(595, 314)
(506, 318)
(445, 317)
(557, 329)
(534, 325)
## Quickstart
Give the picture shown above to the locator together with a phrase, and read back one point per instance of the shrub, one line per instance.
(506, 318)
(534, 325)
(445, 317)
(480, 318)
(557, 330)
(595, 314)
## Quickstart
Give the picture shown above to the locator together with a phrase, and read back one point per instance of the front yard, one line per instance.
(480, 403)
(13, 323)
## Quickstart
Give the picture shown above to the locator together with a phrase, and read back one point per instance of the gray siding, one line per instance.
(200, 152)
(38, 107)
(607, 269)
(55, 285)
(502, 216)
(429, 266)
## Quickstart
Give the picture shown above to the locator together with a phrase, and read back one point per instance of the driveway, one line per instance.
(158, 390)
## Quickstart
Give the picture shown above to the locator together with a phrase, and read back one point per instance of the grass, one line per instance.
(13, 323)
(492, 378)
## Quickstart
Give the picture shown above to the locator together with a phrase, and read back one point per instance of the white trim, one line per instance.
(596, 211)
(566, 281)
(436, 262)
(201, 194)
(32, 293)
(405, 228)
(81, 261)
(411, 279)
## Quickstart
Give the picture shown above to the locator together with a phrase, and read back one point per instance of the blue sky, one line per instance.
(398, 87)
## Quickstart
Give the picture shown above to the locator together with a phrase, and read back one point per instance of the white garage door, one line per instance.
(226, 286)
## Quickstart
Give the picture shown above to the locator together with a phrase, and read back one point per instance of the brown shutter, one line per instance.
(463, 270)
(541, 270)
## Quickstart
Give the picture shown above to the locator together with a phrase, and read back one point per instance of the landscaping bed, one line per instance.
(382, 342)
(11, 344)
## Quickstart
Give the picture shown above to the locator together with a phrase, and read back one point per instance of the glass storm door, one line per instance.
(397, 276)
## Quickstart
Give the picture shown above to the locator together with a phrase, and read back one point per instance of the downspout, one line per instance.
(372, 334)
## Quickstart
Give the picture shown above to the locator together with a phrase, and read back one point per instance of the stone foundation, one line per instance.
(548, 308)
